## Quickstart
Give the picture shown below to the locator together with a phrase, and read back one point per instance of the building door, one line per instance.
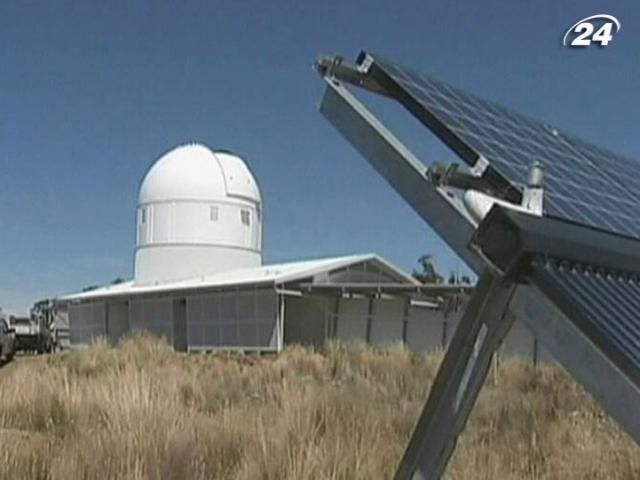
(180, 324)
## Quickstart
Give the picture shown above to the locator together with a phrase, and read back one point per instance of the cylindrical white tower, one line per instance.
(199, 213)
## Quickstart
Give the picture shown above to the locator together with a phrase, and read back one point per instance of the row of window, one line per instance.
(245, 215)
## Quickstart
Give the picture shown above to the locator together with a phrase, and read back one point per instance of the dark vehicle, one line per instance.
(7, 341)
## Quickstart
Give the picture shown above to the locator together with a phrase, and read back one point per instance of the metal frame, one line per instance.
(401, 168)
(422, 291)
(460, 377)
(448, 137)
(507, 239)
(541, 313)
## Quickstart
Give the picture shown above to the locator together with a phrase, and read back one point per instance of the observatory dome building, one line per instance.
(199, 280)
(199, 213)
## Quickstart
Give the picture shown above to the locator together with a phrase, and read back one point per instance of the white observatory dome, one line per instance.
(199, 213)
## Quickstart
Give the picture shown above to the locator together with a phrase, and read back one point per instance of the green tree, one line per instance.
(428, 273)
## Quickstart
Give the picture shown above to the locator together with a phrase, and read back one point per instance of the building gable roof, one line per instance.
(278, 273)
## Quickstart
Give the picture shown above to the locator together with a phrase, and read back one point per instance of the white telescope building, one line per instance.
(199, 279)
(199, 213)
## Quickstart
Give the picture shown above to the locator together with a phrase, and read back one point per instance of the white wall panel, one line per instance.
(87, 322)
(117, 320)
(424, 330)
(352, 319)
(233, 319)
(387, 321)
(154, 315)
(306, 320)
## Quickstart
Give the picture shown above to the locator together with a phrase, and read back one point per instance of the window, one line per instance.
(213, 213)
(245, 217)
(144, 214)
(20, 321)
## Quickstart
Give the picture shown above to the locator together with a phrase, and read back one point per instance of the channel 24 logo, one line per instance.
(596, 29)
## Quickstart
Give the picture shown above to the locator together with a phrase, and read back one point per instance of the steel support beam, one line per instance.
(509, 239)
(459, 380)
(401, 168)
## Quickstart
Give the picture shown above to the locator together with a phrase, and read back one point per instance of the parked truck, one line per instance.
(46, 329)
(52, 315)
(30, 336)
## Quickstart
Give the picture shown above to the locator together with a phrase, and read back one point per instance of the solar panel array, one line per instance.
(605, 305)
(583, 183)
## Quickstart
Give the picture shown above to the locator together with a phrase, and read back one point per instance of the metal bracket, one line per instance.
(335, 67)
(459, 379)
(451, 175)
(480, 166)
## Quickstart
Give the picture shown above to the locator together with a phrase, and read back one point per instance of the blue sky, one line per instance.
(91, 93)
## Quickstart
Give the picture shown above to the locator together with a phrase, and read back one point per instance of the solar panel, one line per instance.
(583, 183)
(578, 275)
(603, 304)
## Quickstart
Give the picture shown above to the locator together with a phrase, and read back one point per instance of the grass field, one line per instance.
(142, 411)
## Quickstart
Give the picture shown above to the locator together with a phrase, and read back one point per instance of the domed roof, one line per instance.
(195, 172)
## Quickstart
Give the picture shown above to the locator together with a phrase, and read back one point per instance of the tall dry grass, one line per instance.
(142, 411)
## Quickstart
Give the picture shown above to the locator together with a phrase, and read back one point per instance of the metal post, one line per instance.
(458, 382)
(445, 333)
(405, 319)
(280, 324)
(369, 319)
(334, 318)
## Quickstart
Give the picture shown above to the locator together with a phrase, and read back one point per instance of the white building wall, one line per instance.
(424, 329)
(87, 321)
(351, 321)
(230, 223)
(307, 320)
(387, 321)
(243, 319)
(154, 315)
(189, 261)
(117, 320)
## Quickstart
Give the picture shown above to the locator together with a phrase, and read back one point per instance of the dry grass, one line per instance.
(143, 411)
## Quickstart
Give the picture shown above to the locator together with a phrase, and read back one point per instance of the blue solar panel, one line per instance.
(604, 305)
(583, 183)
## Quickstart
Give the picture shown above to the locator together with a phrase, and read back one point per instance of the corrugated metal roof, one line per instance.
(269, 274)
